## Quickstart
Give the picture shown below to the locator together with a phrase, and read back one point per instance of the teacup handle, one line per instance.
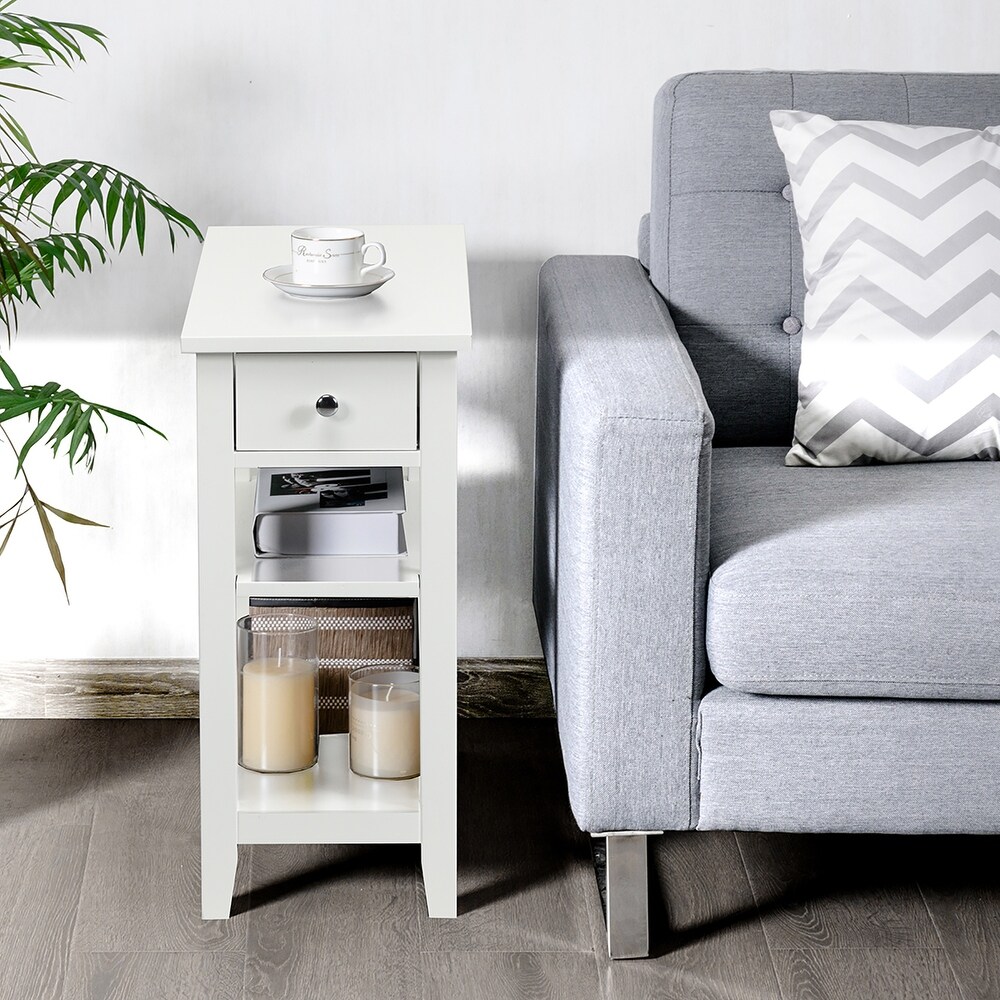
(378, 263)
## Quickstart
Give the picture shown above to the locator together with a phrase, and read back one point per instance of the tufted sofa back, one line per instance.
(723, 245)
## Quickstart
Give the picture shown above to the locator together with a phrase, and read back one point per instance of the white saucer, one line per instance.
(281, 277)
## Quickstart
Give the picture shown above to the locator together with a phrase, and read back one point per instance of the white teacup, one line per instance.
(331, 255)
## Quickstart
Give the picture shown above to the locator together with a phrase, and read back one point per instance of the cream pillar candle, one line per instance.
(385, 724)
(279, 714)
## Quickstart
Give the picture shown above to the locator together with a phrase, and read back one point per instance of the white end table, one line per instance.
(263, 361)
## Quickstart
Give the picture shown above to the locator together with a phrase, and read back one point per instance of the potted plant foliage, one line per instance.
(56, 218)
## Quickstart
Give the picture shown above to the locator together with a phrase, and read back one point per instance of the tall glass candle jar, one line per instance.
(278, 667)
(385, 723)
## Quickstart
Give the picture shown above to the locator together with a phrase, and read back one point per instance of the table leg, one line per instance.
(437, 637)
(217, 633)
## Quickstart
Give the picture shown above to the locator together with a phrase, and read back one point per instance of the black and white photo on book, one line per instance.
(358, 490)
(329, 512)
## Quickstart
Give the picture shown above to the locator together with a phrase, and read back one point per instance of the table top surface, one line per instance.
(425, 307)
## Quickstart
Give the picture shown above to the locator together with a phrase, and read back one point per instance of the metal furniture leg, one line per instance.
(627, 895)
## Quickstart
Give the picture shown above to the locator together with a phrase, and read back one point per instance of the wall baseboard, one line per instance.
(504, 689)
(168, 689)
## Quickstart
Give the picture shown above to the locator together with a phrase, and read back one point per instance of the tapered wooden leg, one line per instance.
(218, 876)
(437, 637)
(217, 633)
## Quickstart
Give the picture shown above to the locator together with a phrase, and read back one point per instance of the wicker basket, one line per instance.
(352, 633)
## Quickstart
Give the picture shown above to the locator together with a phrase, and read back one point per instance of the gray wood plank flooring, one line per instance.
(333, 921)
(842, 974)
(147, 975)
(40, 874)
(51, 771)
(99, 885)
(141, 887)
(837, 891)
(523, 870)
(523, 975)
(960, 883)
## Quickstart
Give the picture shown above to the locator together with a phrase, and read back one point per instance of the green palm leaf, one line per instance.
(59, 414)
(46, 212)
(54, 41)
(119, 202)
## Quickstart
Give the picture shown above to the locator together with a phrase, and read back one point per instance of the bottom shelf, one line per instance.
(328, 804)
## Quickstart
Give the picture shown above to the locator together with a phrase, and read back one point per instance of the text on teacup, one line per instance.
(327, 253)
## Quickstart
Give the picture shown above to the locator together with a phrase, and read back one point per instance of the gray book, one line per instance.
(329, 512)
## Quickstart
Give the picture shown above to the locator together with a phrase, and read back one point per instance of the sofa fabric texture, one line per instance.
(849, 765)
(724, 249)
(621, 541)
(900, 228)
(877, 581)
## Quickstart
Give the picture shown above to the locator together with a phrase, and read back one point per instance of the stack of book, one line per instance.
(329, 512)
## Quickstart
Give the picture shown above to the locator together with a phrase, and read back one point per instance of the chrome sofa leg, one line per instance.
(627, 895)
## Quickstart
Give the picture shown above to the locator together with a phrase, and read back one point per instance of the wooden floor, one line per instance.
(99, 894)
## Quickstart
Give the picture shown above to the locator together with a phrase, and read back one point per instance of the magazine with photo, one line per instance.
(347, 490)
(329, 512)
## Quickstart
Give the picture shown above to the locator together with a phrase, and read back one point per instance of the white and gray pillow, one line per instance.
(900, 228)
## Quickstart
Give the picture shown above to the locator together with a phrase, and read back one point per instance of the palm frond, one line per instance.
(33, 251)
(26, 264)
(52, 41)
(89, 189)
(35, 43)
(61, 416)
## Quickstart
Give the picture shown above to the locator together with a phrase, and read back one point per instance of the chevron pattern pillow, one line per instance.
(900, 228)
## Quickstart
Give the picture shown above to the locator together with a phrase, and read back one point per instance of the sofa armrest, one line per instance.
(622, 467)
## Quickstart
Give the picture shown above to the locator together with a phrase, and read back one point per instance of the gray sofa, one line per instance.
(734, 644)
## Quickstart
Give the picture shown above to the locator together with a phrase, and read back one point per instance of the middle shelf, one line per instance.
(326, 576)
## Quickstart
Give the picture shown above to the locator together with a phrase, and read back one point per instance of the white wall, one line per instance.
(526, 120)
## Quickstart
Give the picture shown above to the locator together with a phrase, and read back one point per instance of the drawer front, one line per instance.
(277, 395)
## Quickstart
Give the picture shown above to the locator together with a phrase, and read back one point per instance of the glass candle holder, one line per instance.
(278, 668)
(384, 712)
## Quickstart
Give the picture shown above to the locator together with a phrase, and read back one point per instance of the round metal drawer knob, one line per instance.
(327, 405)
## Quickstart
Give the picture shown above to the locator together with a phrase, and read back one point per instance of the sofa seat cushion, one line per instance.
(872, 765)
(871, 581)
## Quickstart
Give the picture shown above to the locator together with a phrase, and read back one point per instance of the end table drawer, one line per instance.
(326, 402)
